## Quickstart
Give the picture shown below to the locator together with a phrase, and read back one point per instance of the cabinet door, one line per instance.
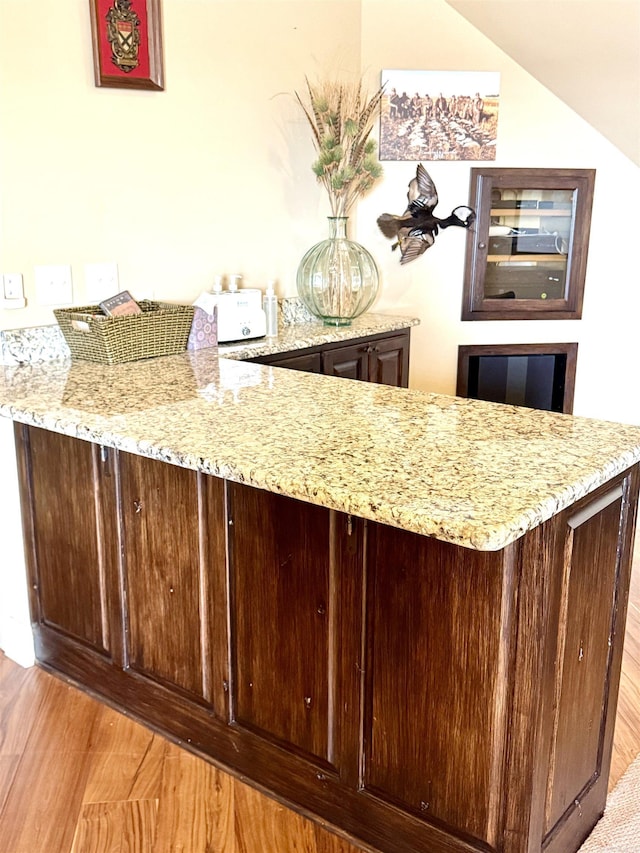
(72, 568)
(526, 257)
(389, 361)
(295, 579)
(172, 574)
(433, 731)
(351, 362)
(591, 601)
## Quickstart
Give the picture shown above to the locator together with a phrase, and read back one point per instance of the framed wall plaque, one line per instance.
(127, 43)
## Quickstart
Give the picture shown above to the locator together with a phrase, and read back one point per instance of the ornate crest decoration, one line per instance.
(123, 32)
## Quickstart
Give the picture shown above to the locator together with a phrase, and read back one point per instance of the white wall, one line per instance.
(535, 130)
(212, 175)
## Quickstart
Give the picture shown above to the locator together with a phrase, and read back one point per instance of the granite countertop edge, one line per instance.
(471, 473)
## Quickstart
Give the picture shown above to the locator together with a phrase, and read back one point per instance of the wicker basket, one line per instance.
(161, 329)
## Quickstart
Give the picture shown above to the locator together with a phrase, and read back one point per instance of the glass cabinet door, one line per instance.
(526, 256)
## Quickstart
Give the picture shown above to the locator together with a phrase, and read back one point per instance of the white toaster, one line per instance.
(240, 315)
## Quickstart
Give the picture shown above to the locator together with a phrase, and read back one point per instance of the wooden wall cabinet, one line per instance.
(415, 694)
(382, 358)
(526, 255)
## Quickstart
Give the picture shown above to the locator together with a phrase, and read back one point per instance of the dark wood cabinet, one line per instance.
(389, 362)
(526, 255)
(380, 358)
(350, 362)
(72, 545)
(416, 694)
(172, 600)
(309, 362)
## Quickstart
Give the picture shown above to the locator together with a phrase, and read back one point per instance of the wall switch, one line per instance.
(13, 286)
(101, 281)
(53, 285)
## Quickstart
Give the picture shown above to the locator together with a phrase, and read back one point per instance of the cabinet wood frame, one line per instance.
(467, 351)
(475, 305)
(381, 358)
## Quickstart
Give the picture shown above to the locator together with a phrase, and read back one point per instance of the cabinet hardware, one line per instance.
(595, 507)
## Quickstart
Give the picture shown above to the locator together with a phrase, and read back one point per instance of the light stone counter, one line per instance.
(296, 331)
(302, 335)
(471, 473)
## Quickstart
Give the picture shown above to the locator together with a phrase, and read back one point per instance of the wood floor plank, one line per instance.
(126, 760)
(196, 806)
(328, 842)
(8, 767)
(21, 693)
(66, 717)
(261, 824)
(41, 810)
(42, 805)
(117, 827)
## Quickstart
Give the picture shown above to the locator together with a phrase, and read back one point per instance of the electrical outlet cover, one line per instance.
(101, 281)
(53, 284)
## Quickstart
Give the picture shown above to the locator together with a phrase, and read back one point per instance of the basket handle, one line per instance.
(82, 322)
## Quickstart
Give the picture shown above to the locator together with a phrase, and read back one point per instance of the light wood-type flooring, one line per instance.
(78, 777)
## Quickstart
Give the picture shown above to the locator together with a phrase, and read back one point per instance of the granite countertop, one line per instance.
(296, 331)
(299, 336)
(467, 472)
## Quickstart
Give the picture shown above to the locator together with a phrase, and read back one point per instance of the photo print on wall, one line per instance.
(439, 115)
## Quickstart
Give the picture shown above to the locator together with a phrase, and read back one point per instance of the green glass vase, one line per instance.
(337, 279)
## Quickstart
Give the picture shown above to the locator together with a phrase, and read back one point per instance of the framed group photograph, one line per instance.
(127, 43)
(439, 115)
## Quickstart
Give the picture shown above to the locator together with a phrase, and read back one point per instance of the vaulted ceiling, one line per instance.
(587, 52)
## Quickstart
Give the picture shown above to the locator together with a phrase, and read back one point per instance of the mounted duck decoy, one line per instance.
(415, 231)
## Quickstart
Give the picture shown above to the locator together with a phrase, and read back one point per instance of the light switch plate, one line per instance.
(13, 285)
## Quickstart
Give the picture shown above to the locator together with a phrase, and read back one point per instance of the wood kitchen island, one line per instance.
(400, 613)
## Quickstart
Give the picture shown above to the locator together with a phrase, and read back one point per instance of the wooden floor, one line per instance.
(78, 777)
